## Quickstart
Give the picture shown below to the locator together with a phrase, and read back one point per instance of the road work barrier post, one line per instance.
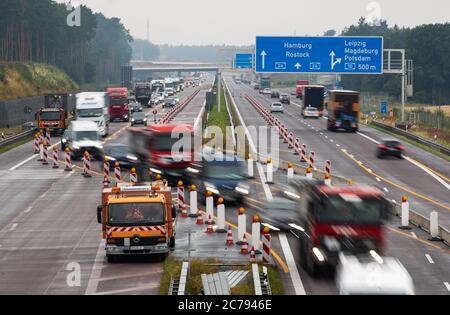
(181, 200)
(47, 137)
(230, 241)
(434, 227)
(256, 234)
(55, 157)
(297, 146)
(291, 141)
(328, 172)
(199, 218)
(220, 216)
(290, 171)
(210, 205)
(68, 161)
(251, 173)
(309, 173)
(117, 174)
(242, 225)
(311, 159)
(252, 255)
(87, 159)
(133, 176)
(266, 239)
(405, 214)
(269, 167)
(193, 201)
(303, 157)
(36, 143)
(41, 151)
(244, 246)
(45, 160)
(105, 172)
(210, 228)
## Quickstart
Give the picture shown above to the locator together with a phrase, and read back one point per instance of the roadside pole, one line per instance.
(218, 90)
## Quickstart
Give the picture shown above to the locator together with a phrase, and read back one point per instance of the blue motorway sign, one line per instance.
(243, 61)
(383, 107)
(319, 54)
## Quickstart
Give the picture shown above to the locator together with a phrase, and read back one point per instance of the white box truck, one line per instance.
(93, 106)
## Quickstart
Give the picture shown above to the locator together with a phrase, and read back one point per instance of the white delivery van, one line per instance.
(82, 136)
(93, 106)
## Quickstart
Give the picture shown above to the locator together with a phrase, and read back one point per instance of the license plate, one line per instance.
(137, 248)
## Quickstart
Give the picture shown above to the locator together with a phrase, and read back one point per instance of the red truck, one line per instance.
(335, 219)
(157, 150)
(299, 87)
(118, 104)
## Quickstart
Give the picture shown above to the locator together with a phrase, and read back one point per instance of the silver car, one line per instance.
(276, 107)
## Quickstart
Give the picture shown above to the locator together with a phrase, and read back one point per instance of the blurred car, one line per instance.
(223, 175)
(275, 94)
(170, 102)
(256, 87)
(117, 152)
(276, 107)
(310, 112)
(389, 148)
(372, 275)
(285, 99)
(138, 118)
(135, 107)
(279, 214)
(266, 91)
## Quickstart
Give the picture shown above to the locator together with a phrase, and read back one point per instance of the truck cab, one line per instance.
(137, 220)
(54, 114)
(313, 97)
(93, 106)
(337, 219)
(118, 104)
(343, 110)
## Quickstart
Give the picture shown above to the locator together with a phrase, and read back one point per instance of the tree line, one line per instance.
(38, 31)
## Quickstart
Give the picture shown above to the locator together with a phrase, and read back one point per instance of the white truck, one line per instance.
(93, 106)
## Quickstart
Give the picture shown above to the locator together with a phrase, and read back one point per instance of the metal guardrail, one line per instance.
(411, 136)
(17, 137)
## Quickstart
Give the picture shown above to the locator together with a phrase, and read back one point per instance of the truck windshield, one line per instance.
(86, 135)
(136, 214)
(350, 209)
(50, 115)
(118, 101)
(92, 112)
(165, 142)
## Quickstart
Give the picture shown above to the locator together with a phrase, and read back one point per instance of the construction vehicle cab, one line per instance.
(137, 220)
(54, 114)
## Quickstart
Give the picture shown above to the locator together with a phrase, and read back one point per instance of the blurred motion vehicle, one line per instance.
(276, 107)
(93, 106)
(310, 112)
(256, 86)
(285, 99)
(275, 94)
(135, 107)
(223, 175)
(154, 145)
(313, 96)
(138, 118)
(266, 91)
(299, 87)
(388, 147)
(170, 102)
(343, 110)
(137, 220)
(279, 214)
(372, 275)
(82, 136)
(143, 92)
(54, 115)
(168, 92)
(335, 219)
(118, 104)
(120, 153)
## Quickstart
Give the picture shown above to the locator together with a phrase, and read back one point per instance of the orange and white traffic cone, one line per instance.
(230, 241)
(210, 228)
(252, 255)
(55, 157)
(244, 246)
(199, 218)
(68, 167)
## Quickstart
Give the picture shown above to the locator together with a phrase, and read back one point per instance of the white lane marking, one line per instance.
(338, 145)
(367, 137)
(394, 201)
(378, 179)
(385, 189)
(321, 133)
(144, 287)
(430, 260)
(293, 271)
(96, 270)
(440, 180)
(414, 235)
(447, 285)
(13, 227)
(23, 162)
(28, 209)
(331, 140)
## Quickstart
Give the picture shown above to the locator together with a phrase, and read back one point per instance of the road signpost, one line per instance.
(351, 55)
(243, 61)
(383, 108)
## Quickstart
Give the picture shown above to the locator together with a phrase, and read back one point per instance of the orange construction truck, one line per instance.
(137, 220)
(54, 115)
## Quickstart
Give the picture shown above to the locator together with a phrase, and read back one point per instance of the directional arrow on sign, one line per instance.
(298, 65)
(263, 57)
(333, 62)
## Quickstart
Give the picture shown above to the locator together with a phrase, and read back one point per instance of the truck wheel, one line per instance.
(111, 259)
(311, 266)
(172, 242)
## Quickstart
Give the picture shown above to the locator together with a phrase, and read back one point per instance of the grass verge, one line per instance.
(172, 268)
(16, 144)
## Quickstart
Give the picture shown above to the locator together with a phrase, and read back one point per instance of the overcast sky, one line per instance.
(239, 21)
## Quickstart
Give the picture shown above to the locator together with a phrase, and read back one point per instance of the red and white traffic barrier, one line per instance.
(36, 143)
(244, 246)
(405, 213)
(297, 146)
(133, 176)
(242, 225)
(252, 255)
(181, 200)
(303, 156)
(311, 159)
(269, 168)
(328, 172)
(209, 205)
(251, 173)
(45, 159)
(220, 216)
(41, 151)
(47, 137)
(230, 241)
(87, 159)
(55, 157)
(68, 167)
(199, 218)
(117, 174)
(290, 171)
(210, 228)
(266, 238)
(256, 234)
(106, 172)
(193, 201)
